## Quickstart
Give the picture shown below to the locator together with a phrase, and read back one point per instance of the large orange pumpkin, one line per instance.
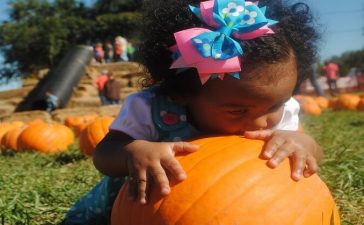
(46, 137)
(94, 133)
(227, 184)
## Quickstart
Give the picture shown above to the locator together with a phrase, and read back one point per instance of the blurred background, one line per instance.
(36, 34)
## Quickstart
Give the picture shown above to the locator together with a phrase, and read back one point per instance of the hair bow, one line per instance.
(216, 52)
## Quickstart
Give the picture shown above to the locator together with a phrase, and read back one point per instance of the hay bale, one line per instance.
(27, 116)
(61, 114)
(110, 110)
(84, 102)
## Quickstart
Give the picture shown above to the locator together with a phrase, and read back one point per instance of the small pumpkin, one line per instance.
(94, 133)
(361, 104)
(7, 126)
(227, 183)
(311, 108)
(322, 102)
(308, 105)
(10, 139)
(78, 123)
(46, 137)
(347, 102)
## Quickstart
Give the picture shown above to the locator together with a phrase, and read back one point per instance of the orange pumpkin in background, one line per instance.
(78, 123)
(227, 184)
(347, 102)
(310, 108)
(322, 102)
(10, 139)
(7, 126)
(308, 105)
(361, 104)
(94, 133)
(46, 137)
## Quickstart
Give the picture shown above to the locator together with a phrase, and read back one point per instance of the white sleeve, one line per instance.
(135, 117)
(290, 119)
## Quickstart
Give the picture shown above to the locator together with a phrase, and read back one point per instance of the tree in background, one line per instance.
(40, 32)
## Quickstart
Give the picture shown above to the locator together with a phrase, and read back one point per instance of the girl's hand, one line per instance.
(148, 160)
(303, 151)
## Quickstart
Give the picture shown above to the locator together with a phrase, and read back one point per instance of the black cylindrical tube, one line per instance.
(60, 82)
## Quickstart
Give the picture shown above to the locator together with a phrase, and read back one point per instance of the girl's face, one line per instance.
(233, 106)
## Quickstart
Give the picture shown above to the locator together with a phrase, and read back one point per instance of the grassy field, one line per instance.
(38, 189)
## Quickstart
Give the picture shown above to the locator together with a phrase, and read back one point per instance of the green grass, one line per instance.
(342, 136)
(39, 189)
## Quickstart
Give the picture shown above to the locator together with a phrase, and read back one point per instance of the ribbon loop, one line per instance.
(229, 21)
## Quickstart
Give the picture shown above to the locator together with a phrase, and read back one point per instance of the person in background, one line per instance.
(109, 52)
(100, 84)
(112, 90)
(331, 71)
(124, 45)
(52, 101)
(130, 50)
(118, 49)
(99, 53)
(314, 81)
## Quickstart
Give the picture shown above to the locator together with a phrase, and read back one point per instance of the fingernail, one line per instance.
(143, 201)
(268, 154)
(273, 162)
(165, 191)
(182, 176)
(298, 173)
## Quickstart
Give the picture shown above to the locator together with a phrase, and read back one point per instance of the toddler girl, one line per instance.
(219, 67)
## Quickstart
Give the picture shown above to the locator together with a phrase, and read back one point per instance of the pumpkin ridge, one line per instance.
(226, 178)
(306, 211)
(230, 166)
(276, 201)
(213, 150)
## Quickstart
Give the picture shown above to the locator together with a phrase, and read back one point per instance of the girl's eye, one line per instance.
(275, 107)
(238, 111)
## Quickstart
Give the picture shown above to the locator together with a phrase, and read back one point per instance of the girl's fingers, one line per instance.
(132, 188)
(272, 146)
(141, 183)
(282, 152)
(298, 165)
(258, 134)
(161, 179)
(173, 166)
(180, 147)
(311, 167)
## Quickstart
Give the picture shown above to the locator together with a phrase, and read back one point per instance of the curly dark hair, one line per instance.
(295, 33)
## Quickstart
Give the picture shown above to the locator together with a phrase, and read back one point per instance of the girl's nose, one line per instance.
(260, 123)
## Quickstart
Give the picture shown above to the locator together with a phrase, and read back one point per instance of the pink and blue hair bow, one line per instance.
(215, 52)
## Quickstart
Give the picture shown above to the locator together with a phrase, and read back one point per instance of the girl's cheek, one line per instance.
(274, 118)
